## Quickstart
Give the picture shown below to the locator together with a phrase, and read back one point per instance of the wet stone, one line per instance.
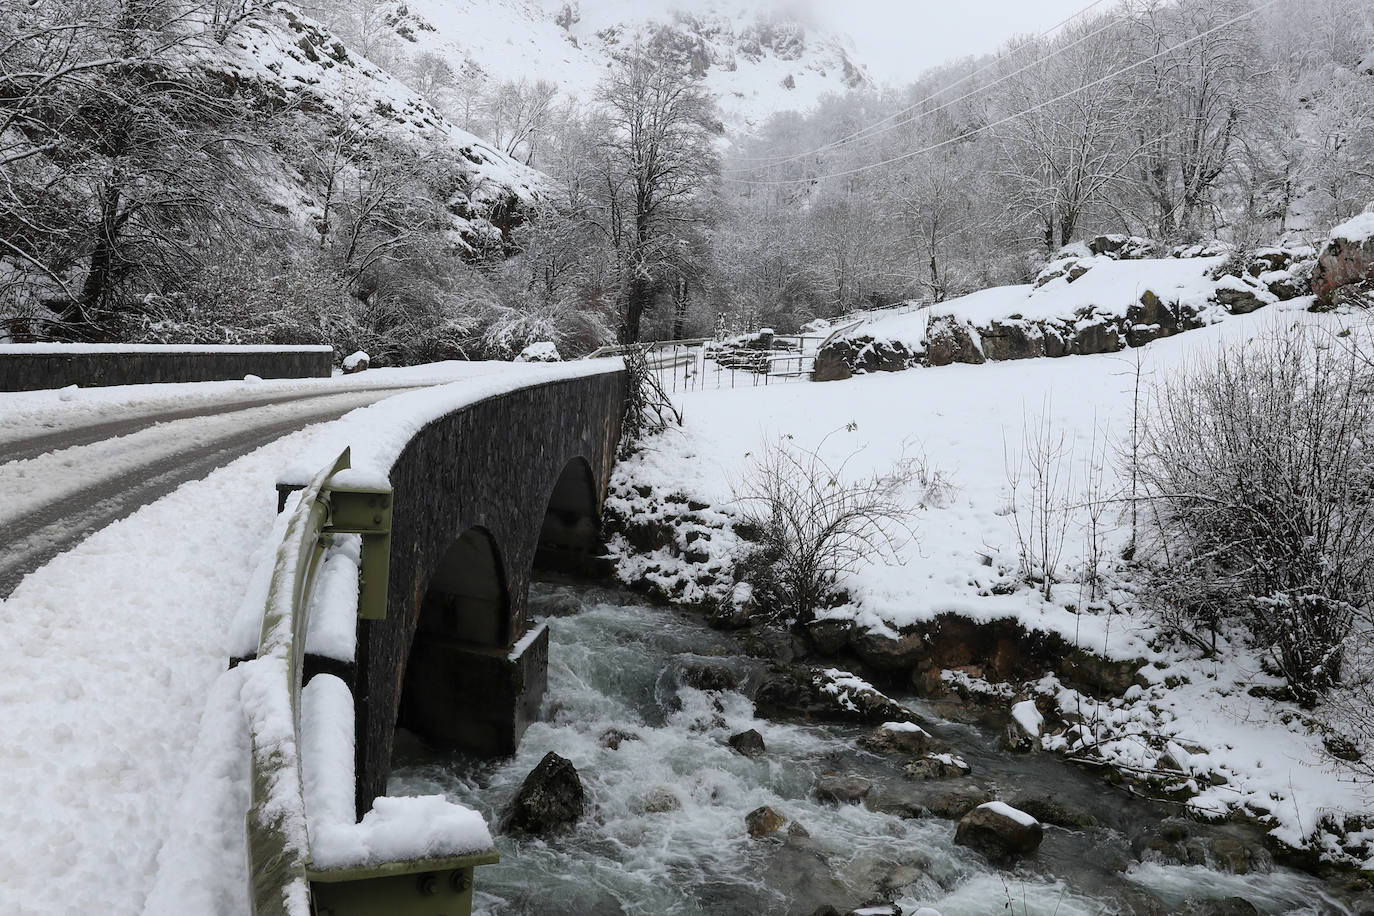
(764, 821)
(842, 790)
(748, 743)
(549, 801)
(897, 738)
(612, 738)
(709, 677)
(999, 832)
(937, 766)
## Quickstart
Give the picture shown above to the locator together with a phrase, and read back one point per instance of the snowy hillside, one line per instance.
(286, 59)
(757, 63)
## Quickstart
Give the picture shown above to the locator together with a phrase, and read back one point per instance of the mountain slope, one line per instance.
(756, 63)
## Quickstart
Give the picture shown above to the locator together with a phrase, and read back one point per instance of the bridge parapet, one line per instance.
(306, 852)
(491, 477)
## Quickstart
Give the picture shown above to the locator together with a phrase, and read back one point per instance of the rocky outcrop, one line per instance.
(999, 831)
(1347, 259)
(801, 693)
(1269, 275)
(952, 340)
(549, 801)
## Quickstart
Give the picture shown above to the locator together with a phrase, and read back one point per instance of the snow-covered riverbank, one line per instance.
(1200, 723)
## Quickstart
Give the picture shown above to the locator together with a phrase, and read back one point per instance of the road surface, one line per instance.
(60, 486)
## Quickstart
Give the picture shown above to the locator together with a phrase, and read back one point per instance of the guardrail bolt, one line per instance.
(428, 885)
(460, 881)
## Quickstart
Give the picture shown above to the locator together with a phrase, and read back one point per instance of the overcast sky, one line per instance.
(898, 39)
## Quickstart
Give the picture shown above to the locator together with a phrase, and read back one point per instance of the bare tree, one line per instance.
(656, 159)
(1190, 105)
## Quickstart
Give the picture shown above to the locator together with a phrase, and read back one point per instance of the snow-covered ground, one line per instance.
(965, 426)
(111, 652)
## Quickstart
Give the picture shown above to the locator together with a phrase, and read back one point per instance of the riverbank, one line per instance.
(950, 612)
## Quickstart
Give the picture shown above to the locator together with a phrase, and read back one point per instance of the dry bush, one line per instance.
(1258, 474)
(1039, 480)
(812, 522)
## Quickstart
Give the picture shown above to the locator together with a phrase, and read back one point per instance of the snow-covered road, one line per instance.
(57, 498)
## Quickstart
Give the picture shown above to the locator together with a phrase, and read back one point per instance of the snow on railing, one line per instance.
(306, 851)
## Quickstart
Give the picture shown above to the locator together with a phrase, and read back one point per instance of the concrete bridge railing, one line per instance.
(459, 493)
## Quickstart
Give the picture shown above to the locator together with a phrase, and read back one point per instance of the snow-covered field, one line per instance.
(965, 425)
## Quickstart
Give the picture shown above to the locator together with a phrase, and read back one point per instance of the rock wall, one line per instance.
(26, 367)
(1270, 275)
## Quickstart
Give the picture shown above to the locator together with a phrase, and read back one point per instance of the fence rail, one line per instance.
(282, 876)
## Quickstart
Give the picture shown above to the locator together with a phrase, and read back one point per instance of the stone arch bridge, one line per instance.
(482, 497)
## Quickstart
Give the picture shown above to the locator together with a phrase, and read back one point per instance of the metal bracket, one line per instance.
(368, 513)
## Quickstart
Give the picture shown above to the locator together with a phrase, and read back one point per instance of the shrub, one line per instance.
(1258, 473)
(814, 523)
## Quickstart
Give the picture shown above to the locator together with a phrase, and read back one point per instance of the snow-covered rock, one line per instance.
(1347, 258)
(356, 362)
(545, 351)
(999, 830)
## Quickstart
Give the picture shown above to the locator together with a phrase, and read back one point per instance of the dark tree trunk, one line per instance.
(682, 299)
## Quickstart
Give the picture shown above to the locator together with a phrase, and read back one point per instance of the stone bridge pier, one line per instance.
(482, 497)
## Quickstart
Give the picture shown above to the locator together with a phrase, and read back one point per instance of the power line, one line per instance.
(1011, 117)
(864, 132)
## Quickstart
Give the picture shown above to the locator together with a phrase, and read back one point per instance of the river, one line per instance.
(616, 665)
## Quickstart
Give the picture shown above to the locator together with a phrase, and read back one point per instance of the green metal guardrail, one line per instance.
(282, 879)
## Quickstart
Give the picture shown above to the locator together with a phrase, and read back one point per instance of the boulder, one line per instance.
(356, 362)
(1239, 297)
(1052, 811)
(798, 692)
(1284, 284)
(954, 803)
(1011, 339)
(748, 743)
(999, 831)
(950, 340)
(842, 790)
(612, 738)
(1347, 258)
(1023, 731)
(897, 738)
(937, 766)
(549, 801)
(659, 800)
(830, 364)
(1097, 335)
(709, 677)
(886, 653)
(829, 636)
(764, 821)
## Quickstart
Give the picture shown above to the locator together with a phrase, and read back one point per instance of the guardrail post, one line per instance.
(368, 513)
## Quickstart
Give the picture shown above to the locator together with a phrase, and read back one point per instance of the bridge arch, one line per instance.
(569, 537)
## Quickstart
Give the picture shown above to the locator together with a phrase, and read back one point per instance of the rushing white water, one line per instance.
(616, 666)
